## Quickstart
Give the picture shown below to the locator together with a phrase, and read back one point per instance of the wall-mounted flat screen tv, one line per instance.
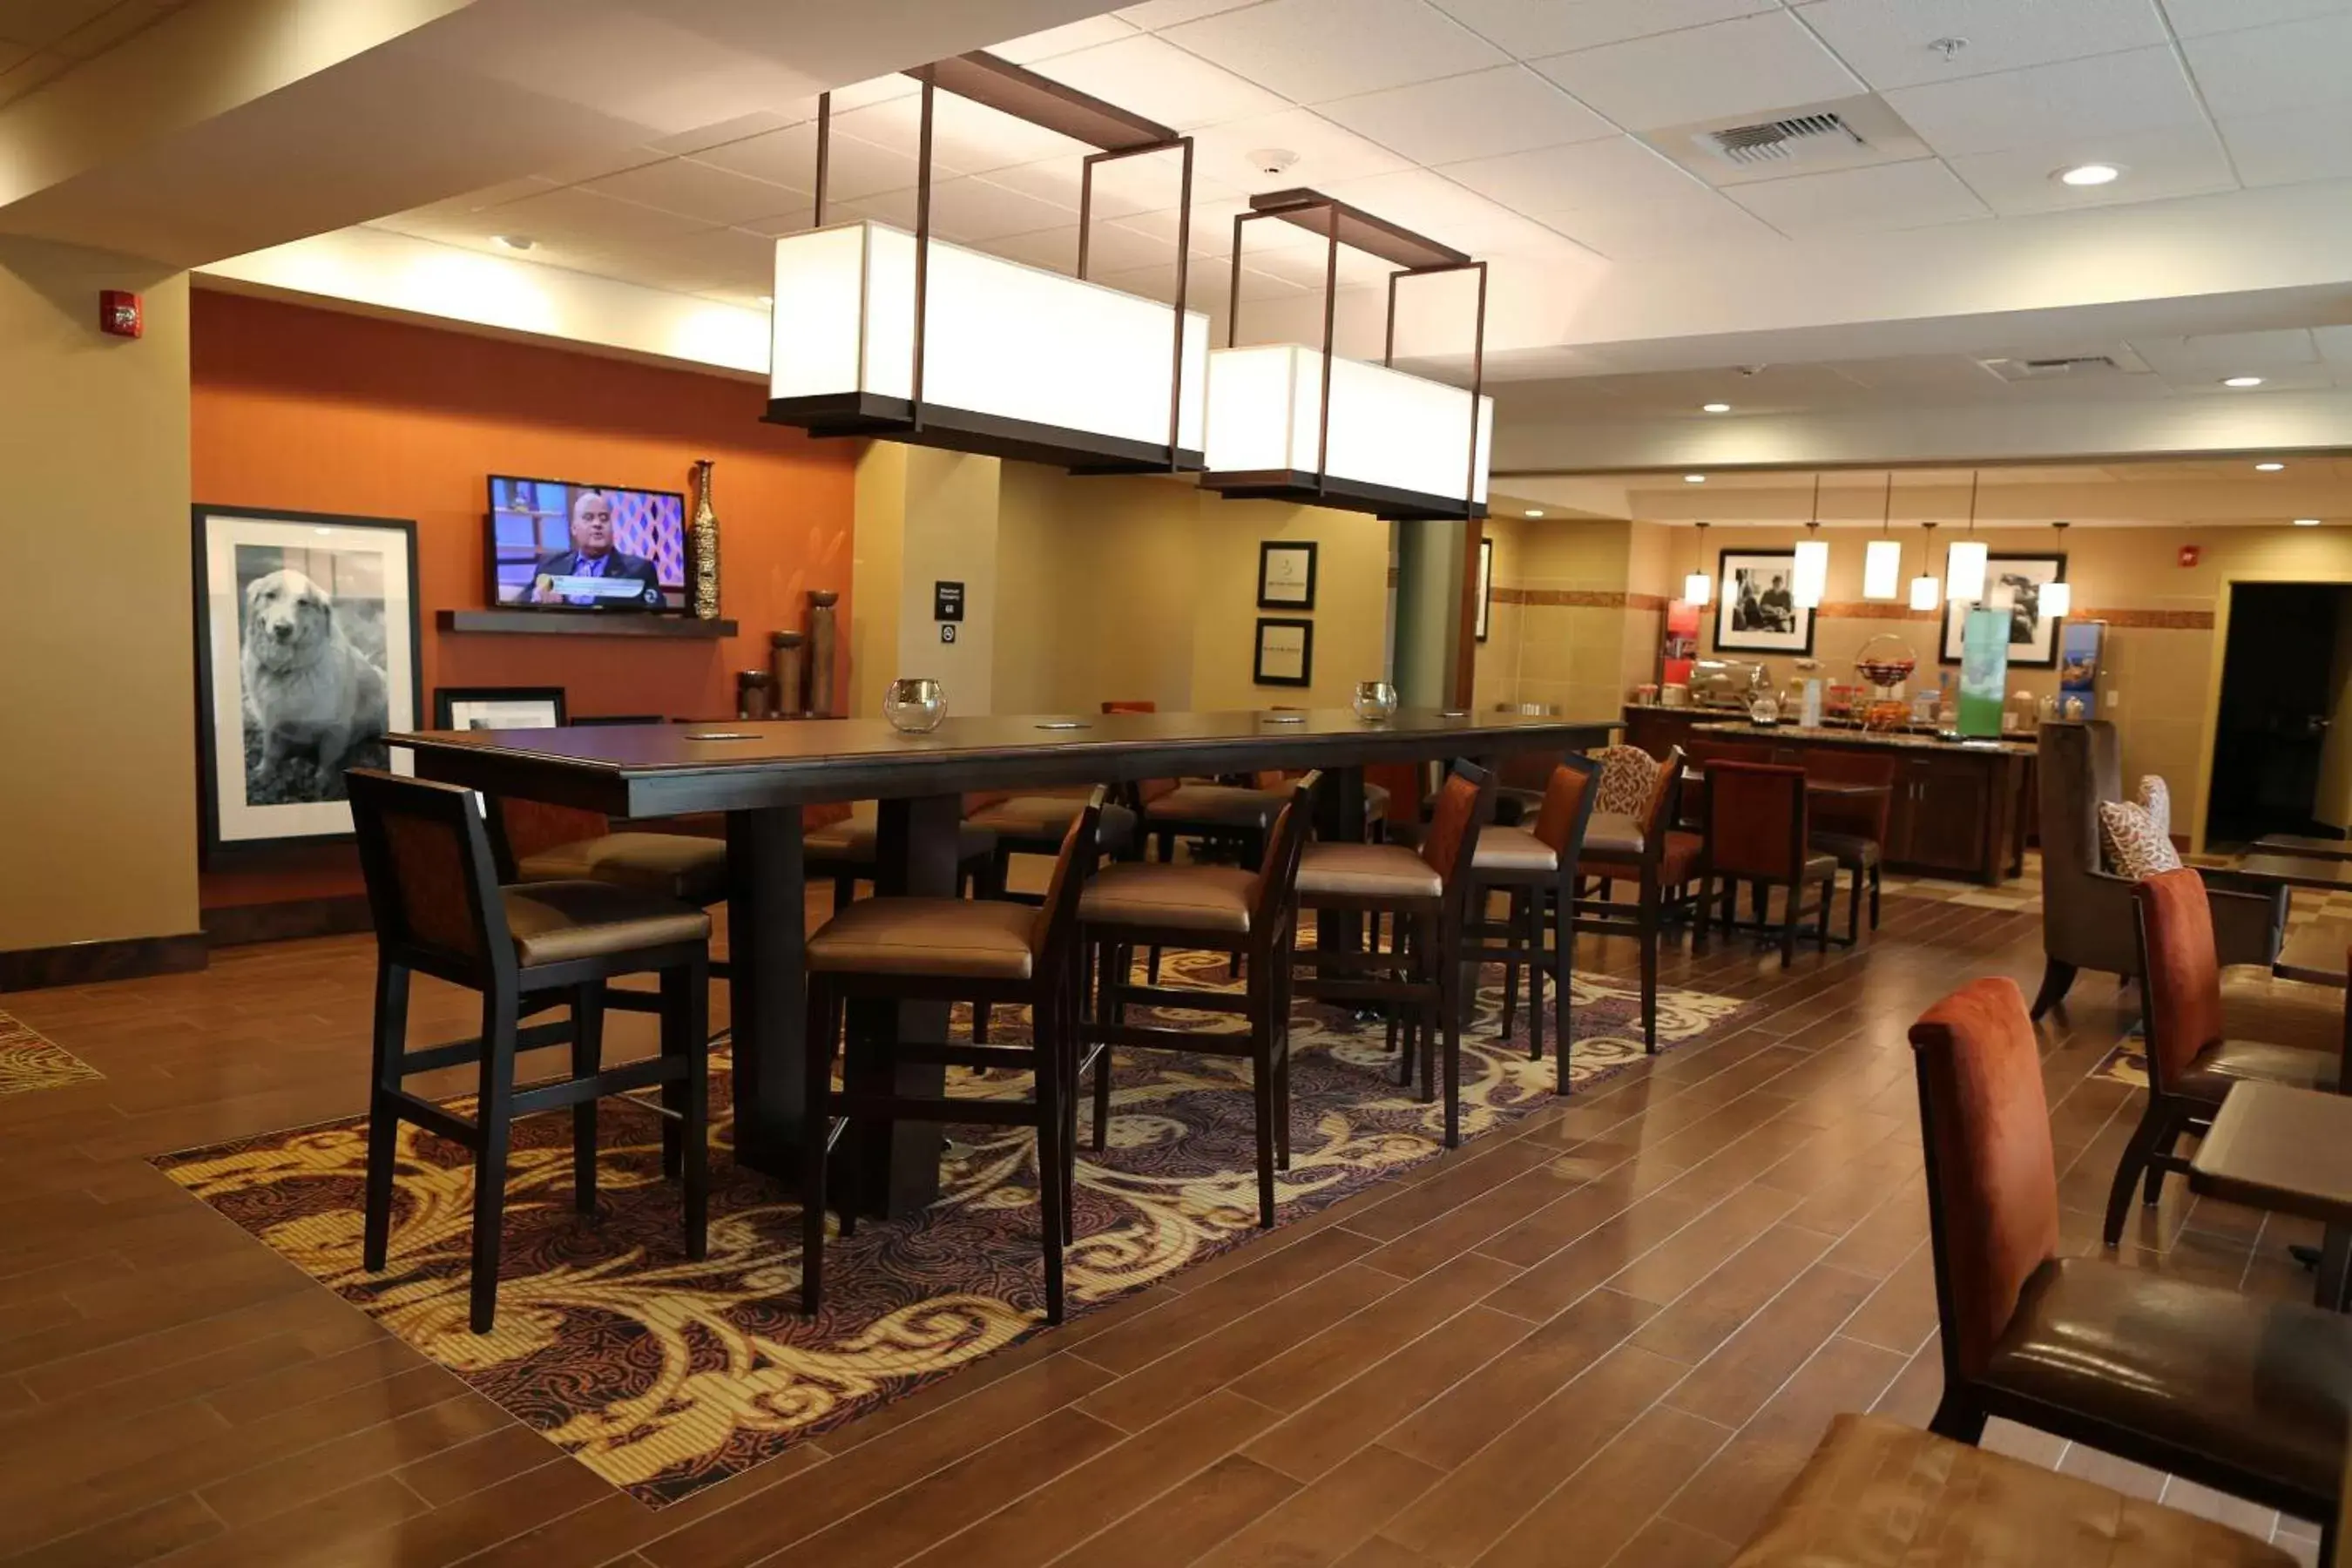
(554, 545)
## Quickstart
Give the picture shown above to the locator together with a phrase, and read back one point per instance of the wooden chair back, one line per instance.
(1053, 930)
(432, 879)
(1756, 822)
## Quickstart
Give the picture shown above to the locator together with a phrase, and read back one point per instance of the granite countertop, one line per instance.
(1896, 740)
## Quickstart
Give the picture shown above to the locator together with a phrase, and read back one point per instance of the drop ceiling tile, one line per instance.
(1324, 153)
(2184, 160)
(1212, 229)
(37, 24)
(1889, 44)
(584, 218)
(967, 138)
(967, 210)
(716, 258)
(1204, 289)
(2265, 69)
(1483, 115)
(1611, 174)
(1314, 51)
(2194, 18)
(1145, 183)
(2334, 343)
(1153, 14)
(1150, 76)
(1533, 28)
(1753, 65)
(2140, 89)
(1068, 39)
(2313, 143)
(1844, 201)
(1644, 233)
(736, 130)
(2210, 356)
(787, 157)
(30, 72)
(701, 191)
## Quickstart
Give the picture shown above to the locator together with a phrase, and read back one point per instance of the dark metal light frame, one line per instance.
(1116, 133)
(1413, 256)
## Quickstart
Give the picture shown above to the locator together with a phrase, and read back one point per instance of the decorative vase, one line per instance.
(786, 661)
(705, 545)
(753, 698)
(821, 634)
(915, 707)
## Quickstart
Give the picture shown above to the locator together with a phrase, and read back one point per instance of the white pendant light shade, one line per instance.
(2057, 599)
(1016, 359)
(1813, 574)
(1400, 444)
(1697, 588)
(1882, 569)
(1964, 571)
(1924, 592)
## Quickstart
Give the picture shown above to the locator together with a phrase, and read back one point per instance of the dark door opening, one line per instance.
(2282, 675)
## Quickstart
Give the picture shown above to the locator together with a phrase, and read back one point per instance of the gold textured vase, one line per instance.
(705, 545)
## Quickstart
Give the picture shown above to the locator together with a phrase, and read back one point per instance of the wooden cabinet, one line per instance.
(1957, 814)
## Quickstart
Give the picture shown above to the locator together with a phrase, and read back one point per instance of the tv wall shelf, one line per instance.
(554, 623)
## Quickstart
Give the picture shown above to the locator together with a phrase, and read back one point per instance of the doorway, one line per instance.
(2282, 762)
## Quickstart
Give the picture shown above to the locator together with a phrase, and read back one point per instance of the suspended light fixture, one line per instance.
(1882, 562)
(1925, 590)
(2057, 598)
(1964, 570)
(1287, 422)
(1698, 587)
(1812, 577)
(885, 333)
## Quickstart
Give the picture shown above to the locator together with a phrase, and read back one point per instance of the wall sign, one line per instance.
(946, 603)
(1285, 575)
(1285, 652)
(947, 631)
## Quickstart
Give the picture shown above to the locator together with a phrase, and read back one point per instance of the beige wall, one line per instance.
(877, 576)
(98, 803)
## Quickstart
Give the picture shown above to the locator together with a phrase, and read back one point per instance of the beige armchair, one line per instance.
(2086, 912)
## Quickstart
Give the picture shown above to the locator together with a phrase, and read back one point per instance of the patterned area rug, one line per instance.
(664, 1376)
(30, 1060)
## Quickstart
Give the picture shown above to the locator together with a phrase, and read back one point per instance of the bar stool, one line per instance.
(1536, 866)
(950, 950)
(1427, 893)
(438, 909)
(1222, 907)
(843, 853)
(1631, 838)
(1757, 832)
(1037, 824)
(1852, 828)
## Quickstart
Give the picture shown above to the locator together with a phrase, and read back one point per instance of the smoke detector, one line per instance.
(1273, 159)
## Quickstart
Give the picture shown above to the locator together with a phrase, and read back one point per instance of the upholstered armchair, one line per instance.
(2086, 912)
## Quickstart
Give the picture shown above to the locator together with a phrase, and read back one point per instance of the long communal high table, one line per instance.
(761, 775)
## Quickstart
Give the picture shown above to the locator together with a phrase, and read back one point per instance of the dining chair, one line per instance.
(1250, 914)
(1851, 828)
(2247, 1395)
(1631, 837)
(995, 952)
(843, 853)
(438, 910)
(1757, 833)
(1534, 864)
(1426, 894)
(2191, 1063)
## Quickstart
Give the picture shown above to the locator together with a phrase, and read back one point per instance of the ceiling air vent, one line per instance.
(2069, 366)
(1783, 140)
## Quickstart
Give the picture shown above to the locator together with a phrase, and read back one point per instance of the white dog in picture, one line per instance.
(308, 690)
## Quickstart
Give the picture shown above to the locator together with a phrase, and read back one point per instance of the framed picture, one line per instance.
(1486, 587)
(1285, 575)
(1285, 653)
(498, 707)
(1756, 608)
(307, 656)
(2013, 583)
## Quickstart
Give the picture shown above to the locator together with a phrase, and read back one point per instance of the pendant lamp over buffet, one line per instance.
(880, 332)
(1291, 423)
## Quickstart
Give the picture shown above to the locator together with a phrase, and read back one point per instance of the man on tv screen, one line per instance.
(592, 572)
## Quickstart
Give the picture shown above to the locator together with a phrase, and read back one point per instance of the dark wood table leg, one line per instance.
(2334, 1264)
(1339, 819)
(914, 855)
(766, 927)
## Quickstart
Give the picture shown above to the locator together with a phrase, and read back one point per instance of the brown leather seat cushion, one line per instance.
(555, 923)
(1613, 836)
(1847, 849)
(953, 936)
(853, 841)
(1513, 850)
(674, 865)
(2258, 1005)
(1217, 805)
(1877, 1494)
(1042, 819)
(2224, 1062)
(2265, 1384)
(1367, 871)
(1184, 897)
(1820, 867)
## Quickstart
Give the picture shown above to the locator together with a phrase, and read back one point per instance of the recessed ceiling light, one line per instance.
(2241, 381)
(2268, 468)
(515, 241)
(2306, 523)
(1693, 479)
(1535, 511)
(1715, 409)
(2089, 174)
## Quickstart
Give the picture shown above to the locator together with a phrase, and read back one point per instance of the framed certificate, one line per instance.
(1285, 575)
(1285, 652)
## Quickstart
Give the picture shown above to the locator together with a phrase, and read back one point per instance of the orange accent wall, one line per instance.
(314, 410)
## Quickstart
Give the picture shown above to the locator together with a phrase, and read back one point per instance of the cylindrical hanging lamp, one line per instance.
(1882, 562)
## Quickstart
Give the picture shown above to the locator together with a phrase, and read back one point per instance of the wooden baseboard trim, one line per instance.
(240, 925)
(86, 963)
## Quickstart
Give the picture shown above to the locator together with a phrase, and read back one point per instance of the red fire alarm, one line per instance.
(2189, 553)
(118, 313)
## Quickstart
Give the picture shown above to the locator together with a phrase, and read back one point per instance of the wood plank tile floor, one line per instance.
(1609, 1334)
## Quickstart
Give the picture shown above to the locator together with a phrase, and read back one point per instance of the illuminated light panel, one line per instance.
(1697, 588)
(2057, 599)
(1924, 592)
(1882, 569)
(1964, 571)
(1813, 574)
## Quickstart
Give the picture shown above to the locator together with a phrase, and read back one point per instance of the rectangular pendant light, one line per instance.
(1882, 569)
(1924, 592)
(1964, 571)
(1399, 444)
(1813, 574)
(2057, 599)
(1697, 588)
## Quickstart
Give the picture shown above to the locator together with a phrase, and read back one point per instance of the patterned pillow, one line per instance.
(2155, 799)
(2132, 843)
(1628, 775)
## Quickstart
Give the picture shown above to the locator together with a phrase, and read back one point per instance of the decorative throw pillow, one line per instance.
(2155, 799)
(2132, 843)
(1628, 775)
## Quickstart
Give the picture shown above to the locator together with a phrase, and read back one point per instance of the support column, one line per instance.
(924, 517)
(1430, 629)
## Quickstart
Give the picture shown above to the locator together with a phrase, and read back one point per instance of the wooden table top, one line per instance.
(2294, 871)
(1737, 729)
(656, 770)
(2275, 1147)
(2299, 844)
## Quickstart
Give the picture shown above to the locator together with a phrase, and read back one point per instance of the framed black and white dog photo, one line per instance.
(2013, 583)
(1285, 575)
(307, 656)
(1756, 605)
